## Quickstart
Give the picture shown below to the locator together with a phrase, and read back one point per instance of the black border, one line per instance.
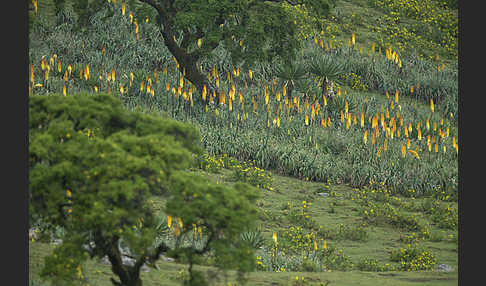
(14, 120)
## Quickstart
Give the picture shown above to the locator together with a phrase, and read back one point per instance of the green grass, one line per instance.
(381, 241)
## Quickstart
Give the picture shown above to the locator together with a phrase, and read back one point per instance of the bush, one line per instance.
(414, 258)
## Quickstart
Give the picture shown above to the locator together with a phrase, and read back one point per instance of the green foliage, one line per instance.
(428, 25)
(95, 184)
(249, 31)
(224, 214)
(254, 238)
(249, 173)
(354, 233)
(370, 264)
(354, 81)
(297, 240)
(326, 68)
(92, 166)
(210, 163)
(414, 258)
(299, 216)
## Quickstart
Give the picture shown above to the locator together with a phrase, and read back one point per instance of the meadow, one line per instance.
(354, 144)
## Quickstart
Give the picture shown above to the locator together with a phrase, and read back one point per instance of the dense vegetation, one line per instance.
(368, 100)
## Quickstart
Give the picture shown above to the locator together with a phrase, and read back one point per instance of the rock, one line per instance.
(167, 259)
(443, 268)
(126, 261)
(33, 234)
(56, 241)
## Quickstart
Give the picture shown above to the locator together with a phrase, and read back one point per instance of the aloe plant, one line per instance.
(290, 74)
(327, 69)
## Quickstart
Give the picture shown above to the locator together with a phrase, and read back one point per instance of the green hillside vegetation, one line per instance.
(352, 144)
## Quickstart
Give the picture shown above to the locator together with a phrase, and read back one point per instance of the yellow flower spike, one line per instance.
(204, 92)
(181, 82)
(274, 237)
(414, 153)
(199, 42)
(365, 137)
(323, 122)
(403, 150)
(123, 8)
(64, 90)
(353, 39)
(169, 221)
(379, 152)
(306, 119)
(431, 105)
(266, 94)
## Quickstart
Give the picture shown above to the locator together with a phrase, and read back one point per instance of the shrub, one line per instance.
(413, 258)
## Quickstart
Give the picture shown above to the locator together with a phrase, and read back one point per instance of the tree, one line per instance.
(223, 212)
(93, 165)
(249, 30)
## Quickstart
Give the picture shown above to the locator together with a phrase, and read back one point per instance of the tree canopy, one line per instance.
(93, 165)
(249, 30)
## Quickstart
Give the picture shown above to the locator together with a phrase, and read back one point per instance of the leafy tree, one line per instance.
(255, 30)
(224, 213)
(93, 165)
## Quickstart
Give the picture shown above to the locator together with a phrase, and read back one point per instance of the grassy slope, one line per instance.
(382, 239)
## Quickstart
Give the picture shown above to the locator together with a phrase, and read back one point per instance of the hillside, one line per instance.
(359, 186)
